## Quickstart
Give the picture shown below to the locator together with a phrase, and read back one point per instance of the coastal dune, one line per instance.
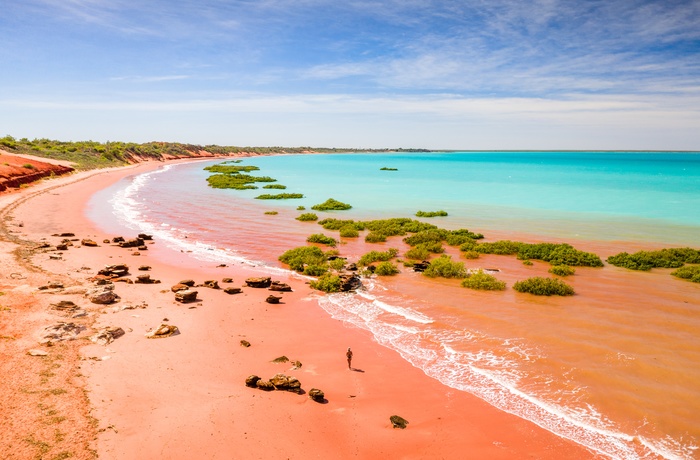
(184, 396)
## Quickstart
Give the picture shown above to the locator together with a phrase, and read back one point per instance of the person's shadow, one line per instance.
(354, 369)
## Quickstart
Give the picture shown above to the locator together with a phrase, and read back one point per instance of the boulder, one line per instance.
(132, 243)
(144, 236)
(114, 270)
(251, 381)
(102, 295)
(278, 286)
(146, 279)
(227, 280)
(61, 331)
(106, 241)
(233, 290)
(186, 296)
(317, 395)
(144, 268)
(349, 282)
(273, 299)
(263, 282)
(88, 242)
(398, 422)
(142, 248)
(421, 266)
(64, 235)
(118, 239)
(62, 247)
(162, 331)
(265, 385)
(179, 287)
(245, 343)
(286, 383)
(189, 283)
(213, 284)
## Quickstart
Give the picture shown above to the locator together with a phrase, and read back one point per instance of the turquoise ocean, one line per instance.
(620, 379)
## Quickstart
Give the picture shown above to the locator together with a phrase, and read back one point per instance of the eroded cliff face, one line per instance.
(17, 170)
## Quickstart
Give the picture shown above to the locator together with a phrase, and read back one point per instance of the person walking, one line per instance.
(348, 354)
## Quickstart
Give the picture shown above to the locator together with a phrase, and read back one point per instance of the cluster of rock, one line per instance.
(349, 282)
(279, 382)
(162, 331)
(421, 266)
(183, 293)
(106, 335)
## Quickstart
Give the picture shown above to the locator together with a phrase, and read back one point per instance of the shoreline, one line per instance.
(185, 394)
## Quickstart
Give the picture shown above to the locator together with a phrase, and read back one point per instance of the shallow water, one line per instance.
(613, 368)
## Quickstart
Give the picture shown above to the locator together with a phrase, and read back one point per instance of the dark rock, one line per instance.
(114, 270)
(146, 279)
(118, 239)
(62, 247)
(273, 299)
(105, 241)
(286, 383)
(213, 284)
(133, 243)
(179, 287)
(106, 335)
(352, 267)
(317, 395)
(102, 296)
(162, 331)
(186, 296)
(233, 290)
(281, 359)
(142, 248)
(251, 381)
(350, 282)
(282, 287)
(398, 422)
(245, 343)
(144, 236)
(265, 385)
(189, 283)
(227, 280)
(61, 331)
(264, 282)
(144, 268)
(421, 266)
(88, 242)
(64, 235)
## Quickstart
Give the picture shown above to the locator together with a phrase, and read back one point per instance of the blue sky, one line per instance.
(470, 74)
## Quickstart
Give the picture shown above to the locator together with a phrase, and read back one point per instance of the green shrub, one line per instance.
(375, 237)
(279, 196)
(327, 283)
(224, 168)
(445, 267)
(544, 286)
(337, 264)
(471, 255)
(527, 262)
(397, 226)
(691, 273)
(431, 213)
(271, 213)
(275, 186)
(301, 208)
(376, 256)
(418, 253)
(28, 166)
(433, 235)
(562, 270)
(337, 224)
(320, 238)
(483, 281)
(502, 247)
(331, 205)
(307, 217)
(664, 258)
(349, 232)
(302, 256)
(554, 253)
(315, 270)
(386, 269)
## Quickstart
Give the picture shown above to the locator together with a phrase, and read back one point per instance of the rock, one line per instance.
(213, 284)
(142, 248)
(61, 331)
(67, 308)
(317, 395)
(51, 285)
(251, 381)
(88, 242)
(144, 236)
(233, 290)
(265, 385)
(398, 422)
(62, 247)
(186, 296)
(189, 283)
(114, 270)
(264, 282)
(106, 335)
(133, 243)
(35, 352)
(273, 299)
(144, 268)
(162, 331)
(102, 295)
(421, 266)
(351, 267)
(281, 359)
(179, 287)
(105, 241)
(55, 257)
(146, 279)
(349, 282)
(245, 343)
(227, 280)
(118, 239)
(278, 286)
(64, 235)
(296, 365)
(286, 383)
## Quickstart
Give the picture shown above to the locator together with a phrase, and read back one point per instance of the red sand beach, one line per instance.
(184, 396)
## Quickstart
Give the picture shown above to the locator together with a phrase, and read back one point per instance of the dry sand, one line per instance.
(184, 397)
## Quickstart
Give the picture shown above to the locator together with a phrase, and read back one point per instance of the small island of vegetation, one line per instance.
(279, 196)
(388, 169)
(431, 213)
(544, 286)
(331, 204)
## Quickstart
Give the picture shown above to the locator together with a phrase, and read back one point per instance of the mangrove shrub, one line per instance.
(445, 267)
(544, 286)
(483, 281)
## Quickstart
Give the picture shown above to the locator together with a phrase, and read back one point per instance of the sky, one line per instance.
(434, 74)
